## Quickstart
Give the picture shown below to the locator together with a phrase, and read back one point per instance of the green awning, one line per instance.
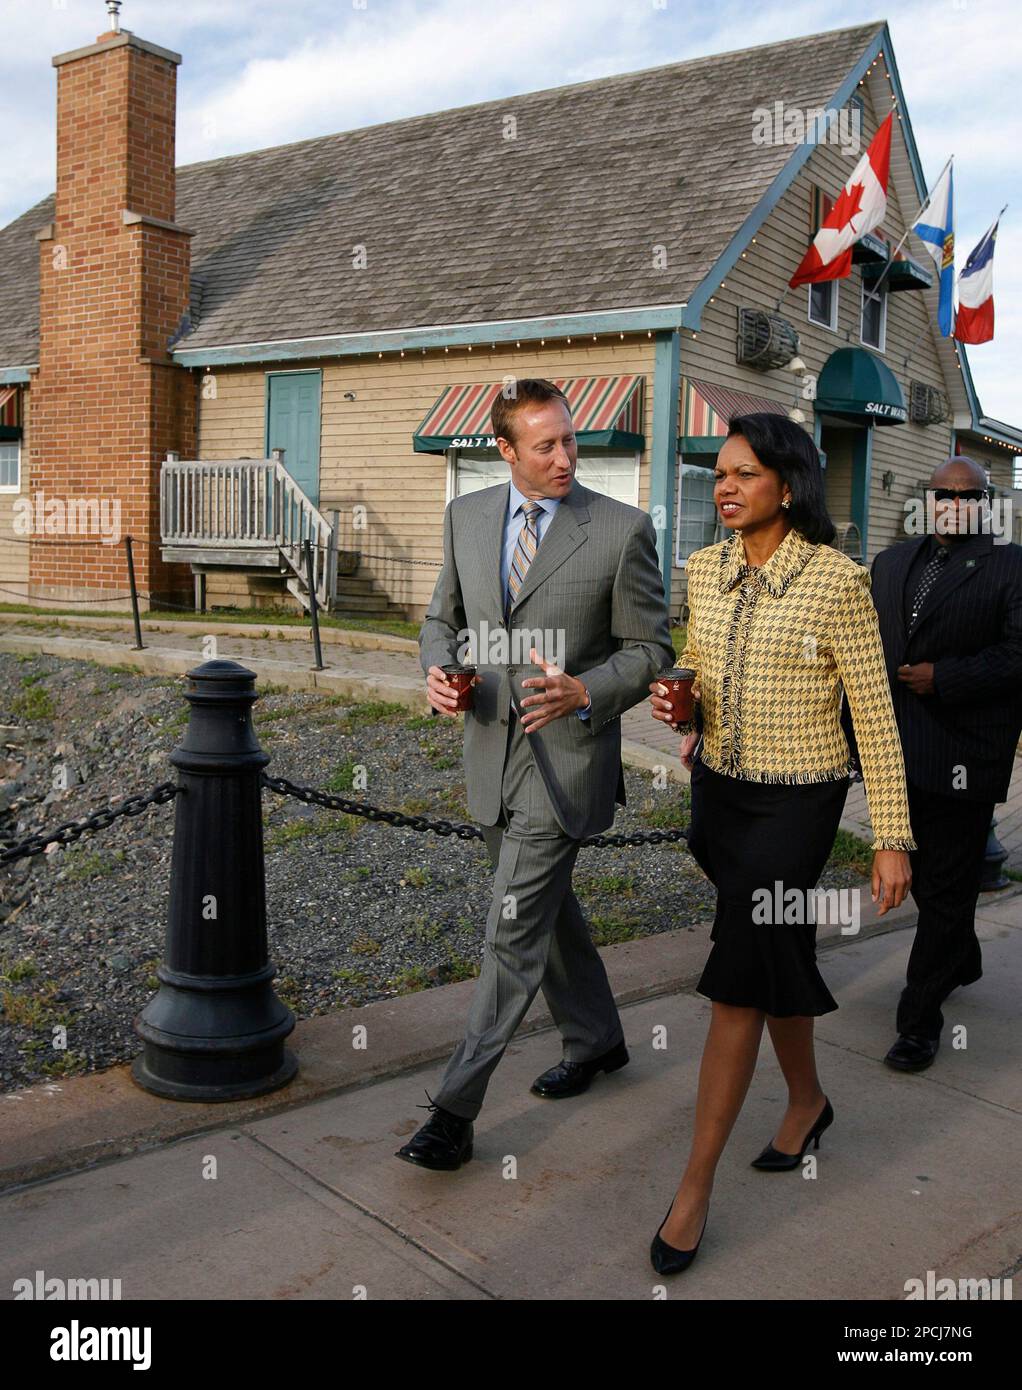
(904, 274)
(856, 385)
(870, 250)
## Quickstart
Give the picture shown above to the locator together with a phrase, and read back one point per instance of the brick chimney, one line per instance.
(108, 401)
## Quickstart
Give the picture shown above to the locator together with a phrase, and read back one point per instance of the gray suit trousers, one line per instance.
(536, 938)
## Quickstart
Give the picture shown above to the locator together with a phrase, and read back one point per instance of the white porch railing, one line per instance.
(245, 506)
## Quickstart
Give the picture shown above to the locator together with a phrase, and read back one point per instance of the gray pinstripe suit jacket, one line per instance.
(595, 581)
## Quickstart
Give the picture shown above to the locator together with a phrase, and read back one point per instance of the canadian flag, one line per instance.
(860, 207)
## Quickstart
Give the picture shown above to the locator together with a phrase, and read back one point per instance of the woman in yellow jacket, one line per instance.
(780, 623)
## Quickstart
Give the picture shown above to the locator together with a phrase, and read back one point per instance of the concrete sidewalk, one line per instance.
(562, 1198)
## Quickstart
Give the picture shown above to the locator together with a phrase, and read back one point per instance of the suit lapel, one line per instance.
(902, 558)
(954, 575)
(491, 543)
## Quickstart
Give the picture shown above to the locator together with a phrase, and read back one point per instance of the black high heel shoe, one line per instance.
(664, 1258)
(775, 1160)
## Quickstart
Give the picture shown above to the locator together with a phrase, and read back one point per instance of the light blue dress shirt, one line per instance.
(512, 528)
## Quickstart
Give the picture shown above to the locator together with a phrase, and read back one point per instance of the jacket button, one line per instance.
(511, 671)
(504, 722)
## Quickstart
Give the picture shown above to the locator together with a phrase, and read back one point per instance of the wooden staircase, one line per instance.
(250, 516)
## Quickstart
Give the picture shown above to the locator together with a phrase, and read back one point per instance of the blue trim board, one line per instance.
(862, 472)
(663, 453)
(455, 335)
(14, 376)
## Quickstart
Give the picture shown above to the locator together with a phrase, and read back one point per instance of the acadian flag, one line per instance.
(860, 207)
(974, 322)
(935, 228)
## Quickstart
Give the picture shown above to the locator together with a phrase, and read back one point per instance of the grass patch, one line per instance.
(622, 884)
(303, 829)
(34, 702)
(365, 946)
(244, 617)
(609, 931)
(65, 1064)
(342, 779)
(87, 864)
(365, 712)
(24, 969)
(672, 816)
(851, 852)
(410, 981)
(357, 979)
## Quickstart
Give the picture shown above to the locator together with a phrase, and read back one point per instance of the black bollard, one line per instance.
(215, 1030)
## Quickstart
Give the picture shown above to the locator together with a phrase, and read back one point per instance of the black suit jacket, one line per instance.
(970, 627)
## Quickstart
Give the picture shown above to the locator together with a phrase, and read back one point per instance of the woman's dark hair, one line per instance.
(785, 447)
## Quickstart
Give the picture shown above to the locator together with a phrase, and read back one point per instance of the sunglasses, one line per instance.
(966, 494)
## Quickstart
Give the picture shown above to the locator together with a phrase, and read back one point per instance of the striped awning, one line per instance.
(606, 410)
(10, 412)
(706, 410)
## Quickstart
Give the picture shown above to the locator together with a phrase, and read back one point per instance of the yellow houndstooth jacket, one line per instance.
(773, 647)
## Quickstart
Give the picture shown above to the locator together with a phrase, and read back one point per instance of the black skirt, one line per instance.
(747, 837)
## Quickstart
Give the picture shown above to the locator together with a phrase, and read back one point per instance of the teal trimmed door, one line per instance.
(292, 424)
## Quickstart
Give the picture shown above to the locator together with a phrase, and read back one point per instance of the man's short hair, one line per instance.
(525, 391)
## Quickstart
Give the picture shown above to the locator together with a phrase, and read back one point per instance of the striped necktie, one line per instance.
(525, 551)
(939, 558)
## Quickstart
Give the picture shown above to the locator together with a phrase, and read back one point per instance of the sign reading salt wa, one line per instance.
(885, 408)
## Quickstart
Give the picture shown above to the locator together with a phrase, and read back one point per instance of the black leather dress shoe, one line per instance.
(912, 1054)
(444, 1141)
(667, 1259)
(773, 1160)
(572, 1078)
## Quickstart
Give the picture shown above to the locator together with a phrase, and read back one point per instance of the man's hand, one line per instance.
(918, 678)
(441, 693)
(560, 694)
(892, 873)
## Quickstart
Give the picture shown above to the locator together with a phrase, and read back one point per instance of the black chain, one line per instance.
(446, 827)
(71, 830)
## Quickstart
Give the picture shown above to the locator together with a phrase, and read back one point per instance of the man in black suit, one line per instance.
(950, 610)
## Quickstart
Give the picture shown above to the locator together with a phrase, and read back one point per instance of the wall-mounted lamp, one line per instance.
(796, 365)
(887, 481)
(349, 396)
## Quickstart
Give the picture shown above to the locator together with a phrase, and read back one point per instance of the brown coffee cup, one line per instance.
(679, 691)
(461, 677)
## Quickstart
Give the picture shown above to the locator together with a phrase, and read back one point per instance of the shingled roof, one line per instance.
(461, 225)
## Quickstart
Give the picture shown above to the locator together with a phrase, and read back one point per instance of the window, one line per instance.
(614, 474)
(10, 466)
(873, 330)
(822, 297)
(823, 304)
(698, 524)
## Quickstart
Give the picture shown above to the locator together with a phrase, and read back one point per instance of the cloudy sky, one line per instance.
(263, 72)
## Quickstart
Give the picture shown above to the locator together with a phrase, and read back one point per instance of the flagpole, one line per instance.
(873, 293)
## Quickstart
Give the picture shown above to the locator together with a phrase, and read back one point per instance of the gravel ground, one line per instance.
(355, 911)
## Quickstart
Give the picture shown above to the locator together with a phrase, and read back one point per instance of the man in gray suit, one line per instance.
(539, 561)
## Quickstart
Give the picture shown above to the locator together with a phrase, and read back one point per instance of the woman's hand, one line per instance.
(662, 710)
(662, 706)
(688, 743)
(892, 872)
